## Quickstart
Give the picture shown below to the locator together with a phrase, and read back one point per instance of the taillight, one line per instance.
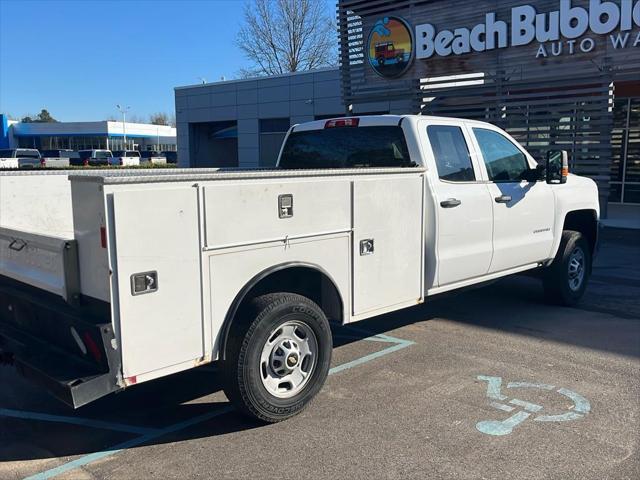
(92, 346)
(85, 163)
(121, 161)
(43, 162)
(342, 122)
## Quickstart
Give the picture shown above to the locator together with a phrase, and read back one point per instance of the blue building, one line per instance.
(86, 135)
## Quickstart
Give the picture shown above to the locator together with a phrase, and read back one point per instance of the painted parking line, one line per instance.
(87, 459)
(397, 344)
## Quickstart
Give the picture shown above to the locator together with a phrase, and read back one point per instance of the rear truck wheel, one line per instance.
(380, 61)
(278, 356)
(565, 280)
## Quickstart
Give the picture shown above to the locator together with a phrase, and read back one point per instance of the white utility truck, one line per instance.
(128, 276)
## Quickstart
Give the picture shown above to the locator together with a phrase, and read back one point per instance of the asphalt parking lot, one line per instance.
(491, 383)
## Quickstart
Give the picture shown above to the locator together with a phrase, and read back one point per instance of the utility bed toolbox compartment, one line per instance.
(243, 212)
(146, 283)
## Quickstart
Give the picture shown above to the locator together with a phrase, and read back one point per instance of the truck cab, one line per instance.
(490, 207)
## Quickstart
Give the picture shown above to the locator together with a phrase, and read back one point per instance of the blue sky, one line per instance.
(79, 58)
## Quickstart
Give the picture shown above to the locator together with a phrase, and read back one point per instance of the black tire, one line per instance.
(381, 61)
(559, 286)
(242, 366)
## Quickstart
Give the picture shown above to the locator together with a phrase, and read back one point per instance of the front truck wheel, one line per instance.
(565, 280)
(277, 357)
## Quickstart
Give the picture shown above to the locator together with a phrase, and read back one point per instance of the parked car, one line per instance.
(125, 158)
(152, 157)
(171, 156)
(58, 157)
(20, 158)
(168, 271)
(92, 157)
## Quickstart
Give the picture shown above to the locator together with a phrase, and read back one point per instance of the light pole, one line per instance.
(123, 111)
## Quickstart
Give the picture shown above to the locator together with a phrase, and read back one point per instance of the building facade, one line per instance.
(553, 73)
(87, 135)
(242, 122)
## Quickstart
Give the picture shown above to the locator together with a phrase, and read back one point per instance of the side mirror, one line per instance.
(534, 174)
(557, 166)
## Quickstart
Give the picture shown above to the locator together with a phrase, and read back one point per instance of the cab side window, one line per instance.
(504, 161)
(451, 153)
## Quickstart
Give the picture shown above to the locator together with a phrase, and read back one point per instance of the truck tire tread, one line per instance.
(554, 280)
(239, 379)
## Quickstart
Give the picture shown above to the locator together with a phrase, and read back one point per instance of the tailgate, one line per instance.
(45, 262)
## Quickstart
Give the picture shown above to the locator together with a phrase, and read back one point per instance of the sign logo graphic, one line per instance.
(390, 47)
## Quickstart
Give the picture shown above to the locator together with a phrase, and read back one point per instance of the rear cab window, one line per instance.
(451, 153)
(26, 153)
(346, 147)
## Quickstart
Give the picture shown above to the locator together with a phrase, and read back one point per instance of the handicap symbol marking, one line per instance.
(581, 406)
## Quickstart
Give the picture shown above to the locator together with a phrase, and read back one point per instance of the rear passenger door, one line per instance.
(464, 214)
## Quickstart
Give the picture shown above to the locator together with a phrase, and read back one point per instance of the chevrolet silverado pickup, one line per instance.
(129, 276)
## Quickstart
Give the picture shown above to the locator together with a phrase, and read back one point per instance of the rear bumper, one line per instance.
(70, 381)
(54, 347)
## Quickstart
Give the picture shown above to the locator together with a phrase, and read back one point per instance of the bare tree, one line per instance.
(135, 118)
(281, 36)
(159, 118)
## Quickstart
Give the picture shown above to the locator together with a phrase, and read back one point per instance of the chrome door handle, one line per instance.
(503, 199)
(450, 203)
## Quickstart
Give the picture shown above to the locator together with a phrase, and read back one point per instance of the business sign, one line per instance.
(390, 47)
(563, 31)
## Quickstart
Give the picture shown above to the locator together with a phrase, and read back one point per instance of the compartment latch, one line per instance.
(285, 206)
(145, 282)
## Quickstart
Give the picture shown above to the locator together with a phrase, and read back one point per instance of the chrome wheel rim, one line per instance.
(576, 269)
(288, 359)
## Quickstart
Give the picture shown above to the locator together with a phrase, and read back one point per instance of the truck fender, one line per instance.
(254, 282)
